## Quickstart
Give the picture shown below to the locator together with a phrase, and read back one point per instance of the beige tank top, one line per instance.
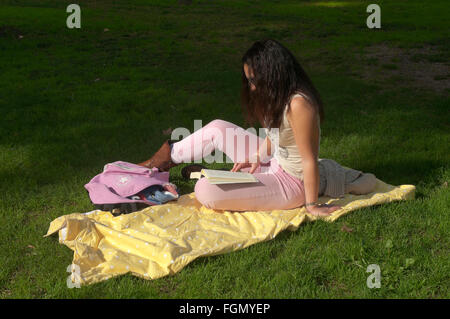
(286, 150)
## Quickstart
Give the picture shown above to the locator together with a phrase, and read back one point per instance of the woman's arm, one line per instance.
(265, 150)
(262, 155)
(302, 118)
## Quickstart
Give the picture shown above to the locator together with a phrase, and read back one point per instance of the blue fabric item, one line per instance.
(156, 194)
(154, 201)
(164, 196)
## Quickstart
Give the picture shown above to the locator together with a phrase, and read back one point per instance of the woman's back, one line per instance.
(286, 150)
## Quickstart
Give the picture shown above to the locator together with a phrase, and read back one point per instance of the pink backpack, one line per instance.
(122, 179)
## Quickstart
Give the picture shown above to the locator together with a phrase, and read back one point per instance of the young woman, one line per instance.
(278, 94)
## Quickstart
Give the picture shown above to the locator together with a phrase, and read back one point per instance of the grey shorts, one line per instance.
(348, 175)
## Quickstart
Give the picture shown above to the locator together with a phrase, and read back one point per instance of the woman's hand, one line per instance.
(253, 166)
(323, 209)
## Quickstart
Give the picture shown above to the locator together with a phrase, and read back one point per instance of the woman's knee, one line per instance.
(220, 124)
(364, 184)
(206, 193)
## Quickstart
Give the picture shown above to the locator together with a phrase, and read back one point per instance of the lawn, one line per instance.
(72, 100)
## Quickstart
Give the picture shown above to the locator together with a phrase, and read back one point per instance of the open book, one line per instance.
(224, 177)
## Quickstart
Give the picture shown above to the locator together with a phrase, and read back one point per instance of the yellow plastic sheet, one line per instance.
(160, 240)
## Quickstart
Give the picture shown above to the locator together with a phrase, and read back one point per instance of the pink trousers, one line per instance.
(276, 188)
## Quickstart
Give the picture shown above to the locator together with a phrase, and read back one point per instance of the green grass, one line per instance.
(73, 100)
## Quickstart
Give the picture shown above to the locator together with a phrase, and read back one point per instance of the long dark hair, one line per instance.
(278, 76)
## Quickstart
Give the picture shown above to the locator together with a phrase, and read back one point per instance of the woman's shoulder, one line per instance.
(298, 103)
(299, 95)
(300, 108)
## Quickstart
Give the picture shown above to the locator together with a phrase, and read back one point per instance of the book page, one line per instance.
(224, 177)
(227, 175)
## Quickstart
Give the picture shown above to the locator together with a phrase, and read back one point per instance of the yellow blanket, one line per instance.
(160, 240)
